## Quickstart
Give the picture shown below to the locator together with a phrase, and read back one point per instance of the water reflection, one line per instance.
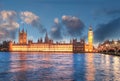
(4, 66)
(116, 68)
(90, 69)
(44, 67)
(79, 67)
(58, 67)
(18, 67)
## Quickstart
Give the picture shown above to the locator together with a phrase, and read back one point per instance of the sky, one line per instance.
(61, 19)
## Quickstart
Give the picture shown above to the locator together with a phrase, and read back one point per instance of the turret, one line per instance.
(10, 46)
(41, 40)
(23, 30)
(46, 38)
(22, 37)
(90, 28)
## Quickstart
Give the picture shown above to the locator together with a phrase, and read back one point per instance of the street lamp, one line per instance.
(115, 42)
(107, 48)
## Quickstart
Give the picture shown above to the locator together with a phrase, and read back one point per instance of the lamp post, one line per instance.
(116, 46)
(107, 48)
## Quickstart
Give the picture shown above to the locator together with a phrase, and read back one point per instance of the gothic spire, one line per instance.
(46, 38)
(90, 28)
(23, 30)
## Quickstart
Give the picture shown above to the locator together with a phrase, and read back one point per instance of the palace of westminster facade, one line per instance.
(49, 46)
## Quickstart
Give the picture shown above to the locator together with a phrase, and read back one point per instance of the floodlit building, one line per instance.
(78, 46)
(47, 45)
(40, 46)
(22, 37)
(89, 46)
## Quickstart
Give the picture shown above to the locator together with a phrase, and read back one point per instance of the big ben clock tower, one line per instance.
(90, 39)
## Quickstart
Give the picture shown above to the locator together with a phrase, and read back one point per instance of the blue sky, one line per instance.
(90, 12)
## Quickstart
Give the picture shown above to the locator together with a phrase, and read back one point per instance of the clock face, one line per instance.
(90, 40)
(90, 37)
(90, 33)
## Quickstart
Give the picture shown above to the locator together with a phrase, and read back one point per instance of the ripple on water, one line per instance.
(59, 67)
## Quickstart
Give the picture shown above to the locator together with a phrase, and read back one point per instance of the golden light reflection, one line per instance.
(17, 65)
(41, 53)
(110, 66)
(116, 68)
(90, 69)
(106, 65)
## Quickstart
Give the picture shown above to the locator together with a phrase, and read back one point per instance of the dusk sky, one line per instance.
(62, 19)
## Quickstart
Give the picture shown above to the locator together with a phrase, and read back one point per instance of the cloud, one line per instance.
(73, 25)
(107, 31)
(56, 30)
(56, 20)
(107, 12)
(112, 11)
(70, 25)
(8, 25)
(33, 20)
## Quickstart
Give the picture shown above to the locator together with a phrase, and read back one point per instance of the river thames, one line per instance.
(59, 67)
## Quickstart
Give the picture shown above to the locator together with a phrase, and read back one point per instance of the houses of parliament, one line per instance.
(47, 45)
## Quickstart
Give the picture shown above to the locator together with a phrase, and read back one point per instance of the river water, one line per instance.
(59, 67)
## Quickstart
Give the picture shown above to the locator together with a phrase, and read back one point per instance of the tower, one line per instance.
(10, 45)
(22, 37)
(46, 38)
(90, 39)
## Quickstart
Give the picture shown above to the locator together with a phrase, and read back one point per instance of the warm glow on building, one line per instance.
(43, 47)
(22, 37)
(90, 36)
(46, 46)
(89, 46)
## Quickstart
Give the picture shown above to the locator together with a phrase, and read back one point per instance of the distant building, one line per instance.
(89, 46)
(47, 45)
(46, 38)
(4, 46)
(78, 47)
(109, 46)
(40, 46)
(22, 37)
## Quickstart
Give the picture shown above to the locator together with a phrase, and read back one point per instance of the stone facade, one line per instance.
(39, 46)
(49, 46)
